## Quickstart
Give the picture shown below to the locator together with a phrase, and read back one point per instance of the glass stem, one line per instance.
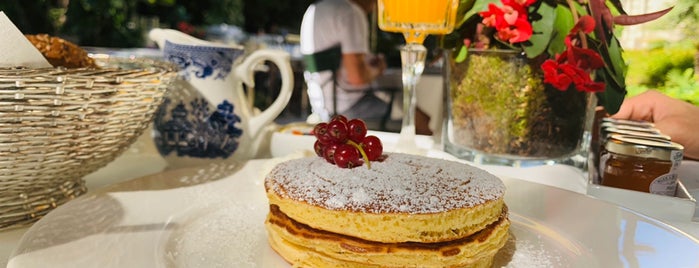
(413, 63)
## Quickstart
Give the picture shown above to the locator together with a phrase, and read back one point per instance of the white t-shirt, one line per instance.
(329, 23)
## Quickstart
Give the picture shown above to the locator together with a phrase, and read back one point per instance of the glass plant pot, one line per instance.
(499, 111)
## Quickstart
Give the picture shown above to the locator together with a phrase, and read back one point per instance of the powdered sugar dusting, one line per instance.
(520, 253)
(228, 235)
(400, 184)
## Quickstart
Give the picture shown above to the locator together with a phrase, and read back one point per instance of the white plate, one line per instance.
(188, 220)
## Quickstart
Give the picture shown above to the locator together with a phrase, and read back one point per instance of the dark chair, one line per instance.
(330, 60)
(326, 60)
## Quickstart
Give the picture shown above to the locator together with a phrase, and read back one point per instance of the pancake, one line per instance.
(405, 209)
(307, 247)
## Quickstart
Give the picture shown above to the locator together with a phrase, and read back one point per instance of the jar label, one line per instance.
(676, 158)
(664, 185)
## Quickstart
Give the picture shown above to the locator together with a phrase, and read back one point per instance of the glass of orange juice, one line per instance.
(415, 19)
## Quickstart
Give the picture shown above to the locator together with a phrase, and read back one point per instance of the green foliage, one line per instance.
(32, 17)
(206, 12)
(683, 85)
(613, 74)
(650, 67)
(274, 16)
(117, 23)
(668, 68)
(543, 31)
(685, 17)
(564, 22)
(102, 23)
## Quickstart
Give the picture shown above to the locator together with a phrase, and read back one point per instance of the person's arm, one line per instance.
(358, 71)
(673, 117)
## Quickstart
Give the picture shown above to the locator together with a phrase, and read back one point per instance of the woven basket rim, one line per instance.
(58, 125)
(107, 68)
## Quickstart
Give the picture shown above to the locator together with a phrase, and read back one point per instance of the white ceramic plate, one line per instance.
(188, 220)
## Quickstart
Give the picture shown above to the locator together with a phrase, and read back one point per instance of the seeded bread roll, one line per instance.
(60, 52)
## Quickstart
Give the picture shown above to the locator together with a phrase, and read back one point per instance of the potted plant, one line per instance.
(524, 76)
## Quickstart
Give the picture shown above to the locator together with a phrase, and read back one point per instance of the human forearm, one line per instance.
(676, 118)
(358, 71)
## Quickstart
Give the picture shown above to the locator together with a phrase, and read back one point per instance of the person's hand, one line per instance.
(673, 117)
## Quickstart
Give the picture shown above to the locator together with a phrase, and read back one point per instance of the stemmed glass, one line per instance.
(415, 19)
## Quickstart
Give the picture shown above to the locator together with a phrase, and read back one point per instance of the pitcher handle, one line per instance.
(245, 73)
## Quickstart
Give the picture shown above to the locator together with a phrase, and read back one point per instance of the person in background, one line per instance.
(343, 23)
(673, 117)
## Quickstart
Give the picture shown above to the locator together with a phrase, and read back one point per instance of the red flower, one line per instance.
(494, 17)
(520, 31)
(513, 11)
(586, 24)
(575, 64)
(592, 86)
(510, 21)
(562, 75)
(553, 77)
(584, 58)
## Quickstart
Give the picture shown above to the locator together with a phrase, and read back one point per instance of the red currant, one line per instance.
(340, 118)
(372, 147)
(329, 152)
(356, 129)
(321, 133)
(319, 148)
(337, 130)
(344, 143)
(346, 156)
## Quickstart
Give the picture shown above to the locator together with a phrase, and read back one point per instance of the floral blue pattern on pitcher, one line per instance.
(206, 114)
(203, 134)
(200, 62)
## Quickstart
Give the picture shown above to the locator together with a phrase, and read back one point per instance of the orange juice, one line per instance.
(417, 17)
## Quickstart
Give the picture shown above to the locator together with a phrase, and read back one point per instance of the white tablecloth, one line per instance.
(142, 159)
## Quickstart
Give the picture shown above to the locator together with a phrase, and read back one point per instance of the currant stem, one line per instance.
(361, 151)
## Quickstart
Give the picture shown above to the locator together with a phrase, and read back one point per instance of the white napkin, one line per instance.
(15, 49)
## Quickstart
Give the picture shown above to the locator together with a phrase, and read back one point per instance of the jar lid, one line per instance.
(648, 129)
(627, 122)
(642, 134)
(643, 147)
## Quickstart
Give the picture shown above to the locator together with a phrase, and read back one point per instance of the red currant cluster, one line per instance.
(344, 142)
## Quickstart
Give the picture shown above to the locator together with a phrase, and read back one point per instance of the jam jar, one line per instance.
(640, 164)
(609, 128)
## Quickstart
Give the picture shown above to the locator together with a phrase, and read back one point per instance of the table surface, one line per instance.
(142, 159)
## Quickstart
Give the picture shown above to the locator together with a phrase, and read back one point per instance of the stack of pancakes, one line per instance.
(406, 211)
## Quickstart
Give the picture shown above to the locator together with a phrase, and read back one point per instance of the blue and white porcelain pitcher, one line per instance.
(206, 114)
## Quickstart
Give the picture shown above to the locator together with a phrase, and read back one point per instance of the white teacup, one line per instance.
(206, 115)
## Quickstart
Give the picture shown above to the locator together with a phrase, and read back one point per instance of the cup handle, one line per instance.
(245, 73)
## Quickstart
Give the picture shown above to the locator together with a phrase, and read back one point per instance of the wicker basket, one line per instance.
(58, 125)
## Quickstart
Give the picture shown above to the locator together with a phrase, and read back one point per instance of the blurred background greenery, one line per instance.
(665, 65)
(125, 23)
(669, 66)
(121, 23)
